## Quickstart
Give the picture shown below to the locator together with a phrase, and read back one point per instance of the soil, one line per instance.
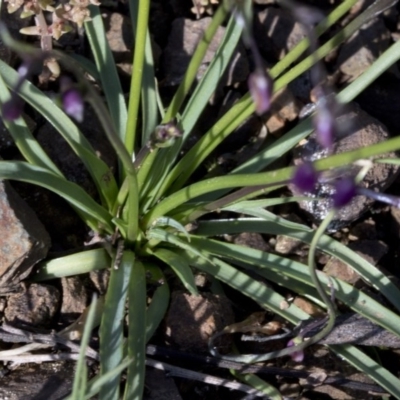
(371, 229)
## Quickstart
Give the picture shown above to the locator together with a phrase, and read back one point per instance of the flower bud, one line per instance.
(345, 190)
(72, 103)
(297, 356)
(305, 177)
(325, 126)
(261, 87)
(165, 134)
(12, 109)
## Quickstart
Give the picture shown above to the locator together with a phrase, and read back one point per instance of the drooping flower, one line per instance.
(305, 177)
(72, 100)
(261, 88)
(345, 190)
(12, 108)
(297, 356)
(73, 104)
(325, 126)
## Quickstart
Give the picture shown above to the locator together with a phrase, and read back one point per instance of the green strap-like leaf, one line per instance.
(93, 214)
(107, 70)
(111, 328)
(99, 171)
(180, 267)
(136, 333)
(278, 226)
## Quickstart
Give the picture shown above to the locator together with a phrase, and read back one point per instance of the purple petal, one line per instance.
(325, 127)
(260, 86)
(297, 356)
(345, 190)
(73, 104)
(305, 177)
(12, 109)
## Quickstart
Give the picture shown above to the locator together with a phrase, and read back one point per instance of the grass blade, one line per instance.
(110, 82)
(99, 171)
(137, 332)
(93, 214)
(180, 267)
(159, 302)
(278, 226)
(74, 264)
(80, 380)
(111, 328)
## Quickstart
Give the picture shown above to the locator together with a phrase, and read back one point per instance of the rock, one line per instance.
(74, 299)
(370, 250)
(308, 307)
(363, 48)
(35, 305)
(381, 100)
(119, 35)
(252, 240)
(284, 108)
(99, 279)
(50, 381)
(192, 320)
(358, 130)
(364, 230)
(182, 43)
(160, 386)
(288, 245)
(23, 241)
(276, 32)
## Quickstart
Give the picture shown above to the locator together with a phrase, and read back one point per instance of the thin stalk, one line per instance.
(137, 73)
(314, 277)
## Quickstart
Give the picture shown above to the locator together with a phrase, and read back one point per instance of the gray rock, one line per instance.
(276, 32)
(182, 42)
(35, 305)
(363, 48)
(23, 239)
(50, 381)
(74, 298)
(192, 320)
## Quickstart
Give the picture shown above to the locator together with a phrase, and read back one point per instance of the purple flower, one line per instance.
(345, 190)
(73, 104)
(261, 87)
(305, 177)
(325, 126)
(297, 356)
(12, 109)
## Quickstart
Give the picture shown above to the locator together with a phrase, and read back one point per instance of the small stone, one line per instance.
(276, 32)
(363, 48)
(182, 42)
(192, 320)
(23, 241)
(74, 298)
(252, 240)
(35, 305)
(370, 250)
(288, 245)
(99, 279)
(308, 307)
(160, 387)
